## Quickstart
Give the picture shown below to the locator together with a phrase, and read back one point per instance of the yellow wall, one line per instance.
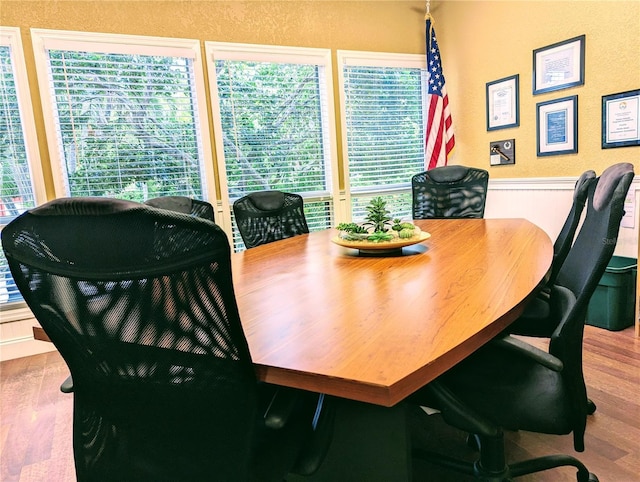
(479, 41)
(485, 41)
(386, 26)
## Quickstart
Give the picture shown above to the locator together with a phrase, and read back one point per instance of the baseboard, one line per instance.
(25, 346)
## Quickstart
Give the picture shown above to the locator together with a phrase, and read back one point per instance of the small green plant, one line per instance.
(380, 236)
(378, 225)
(378, 216)
(352, 228)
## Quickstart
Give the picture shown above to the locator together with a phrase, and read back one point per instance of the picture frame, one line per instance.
(557, 126)
(503, 103)
(559, 66)
(621, 119)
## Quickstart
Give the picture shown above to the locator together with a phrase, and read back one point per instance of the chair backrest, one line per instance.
(580, 274)
(183, 204)
(140, 303)
(567, 233)
(266, 216)
(450, 192)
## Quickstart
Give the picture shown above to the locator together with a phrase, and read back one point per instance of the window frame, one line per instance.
(45, 39)
(356, 58)
(11, 37)
(215, 51)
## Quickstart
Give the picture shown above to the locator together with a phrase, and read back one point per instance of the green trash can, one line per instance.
(612, 305)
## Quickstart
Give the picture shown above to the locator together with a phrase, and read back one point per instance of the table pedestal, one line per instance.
(370, 443)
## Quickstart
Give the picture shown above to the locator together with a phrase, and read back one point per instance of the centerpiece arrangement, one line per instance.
(379, 232)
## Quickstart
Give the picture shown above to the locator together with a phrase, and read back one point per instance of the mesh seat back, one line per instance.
(183, 204)
(139, 301)
(266, 216)
(450, 192)
(565, 238)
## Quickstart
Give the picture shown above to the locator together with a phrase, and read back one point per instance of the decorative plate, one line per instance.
(395, 244)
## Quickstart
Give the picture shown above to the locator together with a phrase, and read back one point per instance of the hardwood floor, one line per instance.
(35, 420)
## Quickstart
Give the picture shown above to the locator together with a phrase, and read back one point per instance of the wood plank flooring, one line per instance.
(35, 420)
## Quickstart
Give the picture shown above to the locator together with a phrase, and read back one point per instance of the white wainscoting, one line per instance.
(543, 201)
(16, 335)
(546, 202)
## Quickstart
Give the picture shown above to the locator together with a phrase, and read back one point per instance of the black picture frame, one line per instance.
(621, 119)
(557, 126)
(559, 66)
(503, 103)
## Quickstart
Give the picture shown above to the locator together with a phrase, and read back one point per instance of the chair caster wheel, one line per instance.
(593, 478)
(591, 407)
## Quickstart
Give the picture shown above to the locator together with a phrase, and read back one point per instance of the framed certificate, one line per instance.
(503, 99)
(559, 66)
(557, 126)
(621, 119)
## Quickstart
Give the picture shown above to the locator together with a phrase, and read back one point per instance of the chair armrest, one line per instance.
(67, 385)
(509, 342)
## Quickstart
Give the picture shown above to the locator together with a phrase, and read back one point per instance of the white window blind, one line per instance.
(273, 125)
(127, 123)
(21, 185)
(383, 106)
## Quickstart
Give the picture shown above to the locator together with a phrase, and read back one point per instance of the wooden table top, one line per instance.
(324, 318)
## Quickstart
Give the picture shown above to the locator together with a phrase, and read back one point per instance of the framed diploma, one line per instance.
(559, 66)
(503, 99)
(621, 119)
(557, 126)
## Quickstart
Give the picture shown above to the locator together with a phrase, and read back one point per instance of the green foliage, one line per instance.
(378, 215)
(15, 184)
(127, 124)
(379, 237)
(273, 133)
(406, 233)
(352, 228)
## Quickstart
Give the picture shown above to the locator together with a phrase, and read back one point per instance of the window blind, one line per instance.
(126, 124)
(16, 189)
(275, 131)
(385, 124)
(273, 127)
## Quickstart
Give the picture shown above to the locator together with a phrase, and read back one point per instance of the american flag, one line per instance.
(439, 138)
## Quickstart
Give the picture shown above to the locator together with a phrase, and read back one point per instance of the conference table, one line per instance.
(371, 330)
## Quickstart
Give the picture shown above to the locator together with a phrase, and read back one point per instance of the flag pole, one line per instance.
(427, 16)
(439, 136)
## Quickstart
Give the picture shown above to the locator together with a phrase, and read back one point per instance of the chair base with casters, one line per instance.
(465, 413)
(496, 470)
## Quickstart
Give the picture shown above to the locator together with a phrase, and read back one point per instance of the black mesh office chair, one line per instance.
(509, 384)
(183, 204)
(450, 192)
(140, 303)
(266, 216)
(535, 321)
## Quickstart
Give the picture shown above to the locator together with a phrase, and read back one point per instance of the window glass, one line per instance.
(273, 124)
(384, 116)
(126, 118)
(20, 174)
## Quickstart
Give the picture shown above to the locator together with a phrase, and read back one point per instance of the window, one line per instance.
(273, 124)
(124, 115)
(383, 107)
(21, 183)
